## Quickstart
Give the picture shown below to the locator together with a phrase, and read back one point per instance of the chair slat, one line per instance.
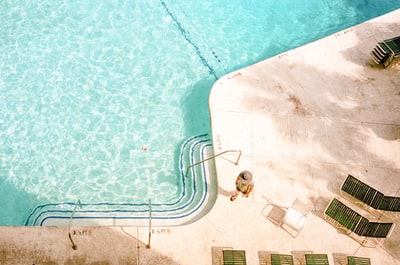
(378, 230)
(390, 204)
(353, 260)
(317, 259)
(281, 259)
(355, 222)
(343, 214)
(234, 257)
(368, 195)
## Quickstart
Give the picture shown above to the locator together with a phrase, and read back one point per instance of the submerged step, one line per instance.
(196, 197)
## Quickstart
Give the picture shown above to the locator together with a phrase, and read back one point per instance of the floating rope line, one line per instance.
(185, 34)
(219, 59)
(206, 43)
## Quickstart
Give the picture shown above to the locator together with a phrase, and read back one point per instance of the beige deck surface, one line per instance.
(303, 120)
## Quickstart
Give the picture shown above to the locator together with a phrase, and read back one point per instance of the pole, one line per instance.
(149, 239)
(74, 246)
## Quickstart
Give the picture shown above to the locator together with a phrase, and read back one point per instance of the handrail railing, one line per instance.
(149, 238)
(214, 156)
(74, 246)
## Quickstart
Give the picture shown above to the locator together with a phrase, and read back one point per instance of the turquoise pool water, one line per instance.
(85, 86)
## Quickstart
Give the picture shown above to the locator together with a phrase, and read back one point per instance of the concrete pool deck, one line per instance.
(303, 119)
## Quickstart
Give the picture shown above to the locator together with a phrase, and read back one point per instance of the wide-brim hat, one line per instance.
(246, 175)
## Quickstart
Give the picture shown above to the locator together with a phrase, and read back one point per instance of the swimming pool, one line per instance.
(98, 100)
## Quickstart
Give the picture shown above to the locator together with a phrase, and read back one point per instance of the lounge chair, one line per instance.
(343, 217)
(295, 217)
(390, 203)
(386, 52)
(317, 259)
(353, 260)
(362, 191)
(281, 259)
(369, 195)
(234, 257)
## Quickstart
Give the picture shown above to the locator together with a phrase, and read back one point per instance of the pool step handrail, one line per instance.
(149, 236)
(74, 246)
(214, 156)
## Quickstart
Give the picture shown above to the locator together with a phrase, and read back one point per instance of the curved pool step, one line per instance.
(197, 197)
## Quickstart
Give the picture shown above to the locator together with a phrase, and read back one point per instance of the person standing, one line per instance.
(244, 184)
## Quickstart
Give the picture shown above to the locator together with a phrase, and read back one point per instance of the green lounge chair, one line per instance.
(343, 217)
(386, 52)
(353, 260)
(317, 259)
(369, 195)
(281, 259)
(362, 192)
(234, 257)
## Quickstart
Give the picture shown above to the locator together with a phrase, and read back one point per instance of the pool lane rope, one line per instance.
(185, 34)
(214, 53)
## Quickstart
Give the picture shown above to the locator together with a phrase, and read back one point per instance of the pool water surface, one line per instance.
(97, 99)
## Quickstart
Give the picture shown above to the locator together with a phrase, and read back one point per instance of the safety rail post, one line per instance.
(214, 156)
(74, 246)
(149, 238)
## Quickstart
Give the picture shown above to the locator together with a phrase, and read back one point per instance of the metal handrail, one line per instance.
(74, 246)
(214, 156)
(149, 238)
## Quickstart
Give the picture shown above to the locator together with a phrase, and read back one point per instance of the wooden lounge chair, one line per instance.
(317, 259)
(353, 260)
(281, 259)
(364, 193)
(345, 218)
(234, 257)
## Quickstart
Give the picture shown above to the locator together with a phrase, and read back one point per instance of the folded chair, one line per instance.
(317, 259)
(386, 52)
(353, 260)
(290, 218)
(281, 259)
(345, 218)
(295, 217)
(234, 257)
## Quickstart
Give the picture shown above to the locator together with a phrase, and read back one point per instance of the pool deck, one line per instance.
(303, 120)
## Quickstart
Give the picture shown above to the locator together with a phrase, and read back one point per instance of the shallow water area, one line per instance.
(83, 90)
